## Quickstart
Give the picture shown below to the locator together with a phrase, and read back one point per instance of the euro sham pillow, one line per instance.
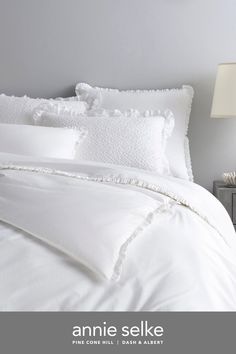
(40, 141)
(129, 141)
(19, 110)
(179, 101)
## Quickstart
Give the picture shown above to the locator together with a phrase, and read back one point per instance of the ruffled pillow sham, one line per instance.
(179, 101)
(19, 110)
(40, 141)
(121, 139)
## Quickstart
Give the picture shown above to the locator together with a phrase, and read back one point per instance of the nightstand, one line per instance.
(227, 196)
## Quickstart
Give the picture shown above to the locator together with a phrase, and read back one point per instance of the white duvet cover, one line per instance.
(95, 237)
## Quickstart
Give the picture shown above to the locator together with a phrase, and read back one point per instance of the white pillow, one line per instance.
(179, 101)
(134, 141)
(40, 141)
(19, 110)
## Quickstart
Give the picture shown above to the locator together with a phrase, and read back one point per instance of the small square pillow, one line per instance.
(19, 110)
(130, 141)
(179, 101)
(40, 141)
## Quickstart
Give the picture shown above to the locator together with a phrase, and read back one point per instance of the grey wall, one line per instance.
(46, 46)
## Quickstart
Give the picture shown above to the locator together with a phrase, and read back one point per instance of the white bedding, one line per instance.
(183, 258)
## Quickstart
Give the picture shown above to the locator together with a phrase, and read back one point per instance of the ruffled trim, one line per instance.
(88, 94)
(129, 113)
(83, 87)
(58, 108)
(25, 96)
(67, 99)
(188, 159)
(61, 99)
(190, 91)
(123, 250)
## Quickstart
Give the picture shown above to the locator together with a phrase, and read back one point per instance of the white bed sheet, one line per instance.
(181, 262)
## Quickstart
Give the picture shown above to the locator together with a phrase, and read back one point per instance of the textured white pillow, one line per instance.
(179, 101)
(40, 141)
(130, 141)
(19, 110)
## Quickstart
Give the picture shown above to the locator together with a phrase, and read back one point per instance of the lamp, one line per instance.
(224, 102)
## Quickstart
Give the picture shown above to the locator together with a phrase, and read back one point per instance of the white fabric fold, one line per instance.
(168, 240)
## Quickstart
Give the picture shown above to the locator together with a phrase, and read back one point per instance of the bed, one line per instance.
(84, 234)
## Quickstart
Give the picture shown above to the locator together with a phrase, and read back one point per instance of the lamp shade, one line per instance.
(224, 100)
